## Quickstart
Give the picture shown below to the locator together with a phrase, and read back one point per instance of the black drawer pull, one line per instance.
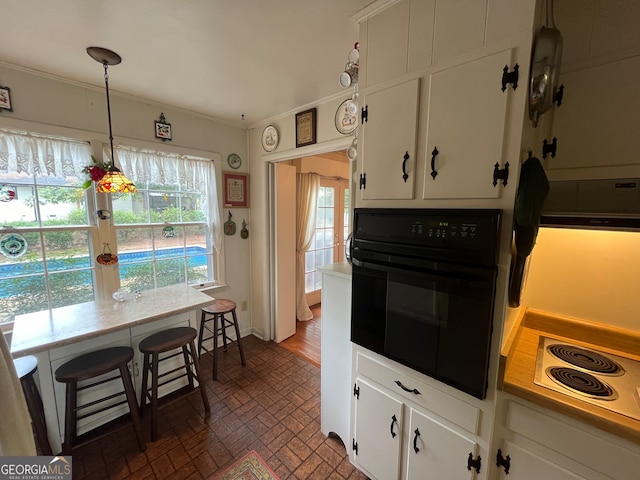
(411, 390)
(394, 420)
(415, 441)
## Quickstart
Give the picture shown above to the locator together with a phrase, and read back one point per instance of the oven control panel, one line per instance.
(444, 229)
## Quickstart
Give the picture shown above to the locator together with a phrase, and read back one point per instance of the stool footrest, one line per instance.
(80, 417)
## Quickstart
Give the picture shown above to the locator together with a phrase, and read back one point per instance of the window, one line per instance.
(332, 229)
(50, 235)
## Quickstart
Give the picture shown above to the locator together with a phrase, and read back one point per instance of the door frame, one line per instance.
(308, 151)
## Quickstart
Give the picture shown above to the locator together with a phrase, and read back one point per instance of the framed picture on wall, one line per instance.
(5, 98)
(306, 128)
(236, 189)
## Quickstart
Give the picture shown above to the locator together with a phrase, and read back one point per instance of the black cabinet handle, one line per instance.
(415, 441)
(404, 164)
(410, 390)
(434, 154)
(394, 420)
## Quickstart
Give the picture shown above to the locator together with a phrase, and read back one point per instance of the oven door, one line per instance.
(435, 317)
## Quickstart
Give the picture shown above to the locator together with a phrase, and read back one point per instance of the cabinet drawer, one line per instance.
(74, 349)
(450, 408)
(179, 320)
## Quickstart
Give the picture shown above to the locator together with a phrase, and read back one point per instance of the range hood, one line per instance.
(608, 204)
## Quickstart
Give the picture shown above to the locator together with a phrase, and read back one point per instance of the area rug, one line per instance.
(249, 467)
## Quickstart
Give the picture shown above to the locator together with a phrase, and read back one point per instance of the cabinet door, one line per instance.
(388, 136)
(525, 465)
(387, 43)
(460, 26)
(377, 432)
(436, 452)
(466, 122)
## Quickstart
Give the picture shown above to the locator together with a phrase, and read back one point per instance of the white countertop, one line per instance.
(341, 269)
(40, 331)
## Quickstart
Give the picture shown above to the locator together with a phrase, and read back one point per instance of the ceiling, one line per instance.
(221, 58)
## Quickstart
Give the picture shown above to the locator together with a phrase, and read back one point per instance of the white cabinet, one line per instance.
(403, 428)
(388, 151)
(550, 446)
(335, 375)
(466, 127)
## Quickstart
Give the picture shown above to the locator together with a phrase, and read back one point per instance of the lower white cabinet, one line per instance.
(526, 465)
(394, 437)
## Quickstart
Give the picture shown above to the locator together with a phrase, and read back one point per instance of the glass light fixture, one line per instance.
(114, 180)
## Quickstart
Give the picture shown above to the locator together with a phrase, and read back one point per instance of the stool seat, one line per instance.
(216, 312)
(86, 367)
(182, 338)
(93, 364)
(167, 340)
(25, 368)
(220, 306)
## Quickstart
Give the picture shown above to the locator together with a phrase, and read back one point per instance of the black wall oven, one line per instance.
(424, 287)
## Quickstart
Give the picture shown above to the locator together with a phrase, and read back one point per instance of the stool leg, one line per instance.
(154, 397)
(215, 347)
(187, 365)
(203, 392)
(133, 405)
(145, 384)
(235, 325)
(36, 410)
(223, 325)
(201, 333)
(70, 418)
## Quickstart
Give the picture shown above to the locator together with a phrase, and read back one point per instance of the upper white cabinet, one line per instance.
(387, 148)
(459, 28)
(465, 128)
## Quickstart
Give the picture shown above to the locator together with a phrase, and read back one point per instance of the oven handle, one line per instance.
(467, 274)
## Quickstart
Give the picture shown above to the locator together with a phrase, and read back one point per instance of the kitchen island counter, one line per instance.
(519, 355)
(41, 331)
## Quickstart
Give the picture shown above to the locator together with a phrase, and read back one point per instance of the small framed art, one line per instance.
(236, 189)
(306, 128)
(163, 129)
(5, 98)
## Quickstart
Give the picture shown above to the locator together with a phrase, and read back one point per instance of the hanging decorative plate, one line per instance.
(269, 138)
(244, 233)
(7, 193)
(347, 117)
(106, 257)
(13, 245)
(234, 160)
(168, 232)
(229, 226)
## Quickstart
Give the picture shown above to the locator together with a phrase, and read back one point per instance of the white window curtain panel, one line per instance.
(194, 173)
(307, 187)
(24, 155)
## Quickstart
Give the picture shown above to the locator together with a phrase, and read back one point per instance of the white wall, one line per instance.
(587, 274)
(51, 106)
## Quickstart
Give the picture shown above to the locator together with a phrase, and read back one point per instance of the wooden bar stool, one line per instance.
(86, 367)
(26, 367)
(161, 342)
(220, 324)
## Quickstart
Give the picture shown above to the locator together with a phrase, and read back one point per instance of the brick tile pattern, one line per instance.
(272, 406)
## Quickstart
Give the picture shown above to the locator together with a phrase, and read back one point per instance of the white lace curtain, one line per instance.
(196, 174)
(307, 187)
(25, 155)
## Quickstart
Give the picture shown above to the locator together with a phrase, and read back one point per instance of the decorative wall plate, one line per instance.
(346, 117)
(269, 138)
(13, 245)
(234, 160)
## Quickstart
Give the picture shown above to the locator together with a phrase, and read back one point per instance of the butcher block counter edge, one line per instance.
(518, 363)
(41, 331)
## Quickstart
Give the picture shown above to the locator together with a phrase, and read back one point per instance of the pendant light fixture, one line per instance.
(114, 180)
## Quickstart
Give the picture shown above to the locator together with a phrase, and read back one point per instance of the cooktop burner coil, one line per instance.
(586, 359)
(582, 383)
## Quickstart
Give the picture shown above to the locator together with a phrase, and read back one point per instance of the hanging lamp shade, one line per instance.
(114, 181)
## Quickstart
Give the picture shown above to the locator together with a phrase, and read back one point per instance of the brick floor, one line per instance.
(272, 406)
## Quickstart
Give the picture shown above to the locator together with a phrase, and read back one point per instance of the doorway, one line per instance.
(331, 166)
